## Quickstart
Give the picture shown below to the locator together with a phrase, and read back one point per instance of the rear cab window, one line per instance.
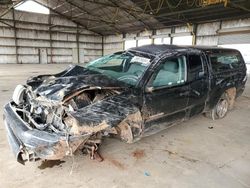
(225, 60)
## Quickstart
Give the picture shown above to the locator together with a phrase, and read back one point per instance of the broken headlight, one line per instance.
(18, 95)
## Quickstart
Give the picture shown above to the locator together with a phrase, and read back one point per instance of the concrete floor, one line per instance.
(187, 155)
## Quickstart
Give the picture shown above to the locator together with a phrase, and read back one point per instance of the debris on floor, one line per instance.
(146, 173)
(138, 154)
(50, 164)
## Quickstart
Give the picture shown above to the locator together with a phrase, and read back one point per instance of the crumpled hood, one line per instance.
(56, 87)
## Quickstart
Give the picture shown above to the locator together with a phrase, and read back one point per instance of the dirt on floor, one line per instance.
(191, 154)
(139, 153)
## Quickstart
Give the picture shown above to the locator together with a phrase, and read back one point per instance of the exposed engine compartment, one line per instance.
(44, 114)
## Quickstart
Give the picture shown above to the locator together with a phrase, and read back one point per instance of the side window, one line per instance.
(172, 72)
(223, 61)
(195, 67)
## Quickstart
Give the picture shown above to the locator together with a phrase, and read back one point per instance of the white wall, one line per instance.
(112, 43)
(206, 34)
(34, 41)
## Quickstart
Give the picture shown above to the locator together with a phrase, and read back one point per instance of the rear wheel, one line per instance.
(221, 109)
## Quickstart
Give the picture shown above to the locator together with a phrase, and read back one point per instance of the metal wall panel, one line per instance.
(235, 23)
(33, 39)
(7, 59)
(207, 40)
(208, 29)
(240, 38)
(112, 43)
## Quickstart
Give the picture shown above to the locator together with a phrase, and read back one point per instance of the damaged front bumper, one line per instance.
(30, 144)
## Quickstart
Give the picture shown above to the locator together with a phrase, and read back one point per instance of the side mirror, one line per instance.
(149, 89)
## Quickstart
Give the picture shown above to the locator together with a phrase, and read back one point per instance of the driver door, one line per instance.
(166, 95)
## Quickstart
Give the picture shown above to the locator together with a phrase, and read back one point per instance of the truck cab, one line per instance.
(191, 81)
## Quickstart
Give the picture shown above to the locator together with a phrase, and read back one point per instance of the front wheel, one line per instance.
(221, 109)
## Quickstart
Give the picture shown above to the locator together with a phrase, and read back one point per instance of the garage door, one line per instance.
(239, 38)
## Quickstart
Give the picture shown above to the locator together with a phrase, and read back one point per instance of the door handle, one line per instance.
(185, 93)
(197, 93)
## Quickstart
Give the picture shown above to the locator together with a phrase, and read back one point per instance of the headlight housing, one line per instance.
(18, 95)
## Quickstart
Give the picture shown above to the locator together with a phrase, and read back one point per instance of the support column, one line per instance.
(172, 31)
(153, 39)
(194, 33)
(77, 43)
(50, 40)
(123, 40)
(15, 35)
(102, 45)
(137, 35)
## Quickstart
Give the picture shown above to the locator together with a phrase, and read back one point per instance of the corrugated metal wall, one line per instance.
(235, 37)
(38, 38)
(239, 38)
(206, 34)
(112, 43)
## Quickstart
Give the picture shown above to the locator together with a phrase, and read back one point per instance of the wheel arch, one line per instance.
(230, 92)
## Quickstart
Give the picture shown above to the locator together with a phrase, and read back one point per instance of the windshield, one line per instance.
(126, 67)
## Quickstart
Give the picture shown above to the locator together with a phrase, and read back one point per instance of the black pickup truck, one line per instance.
(128, 94)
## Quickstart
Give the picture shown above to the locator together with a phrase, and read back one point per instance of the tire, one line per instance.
(221, 108)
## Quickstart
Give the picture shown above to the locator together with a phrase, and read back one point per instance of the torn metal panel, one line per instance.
(108, 113)
(131, 128)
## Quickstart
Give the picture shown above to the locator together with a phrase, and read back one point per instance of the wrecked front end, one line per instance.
(29, 144)
(51, 124)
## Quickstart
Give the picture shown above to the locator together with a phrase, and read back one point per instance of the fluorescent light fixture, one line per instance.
(31, 6)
